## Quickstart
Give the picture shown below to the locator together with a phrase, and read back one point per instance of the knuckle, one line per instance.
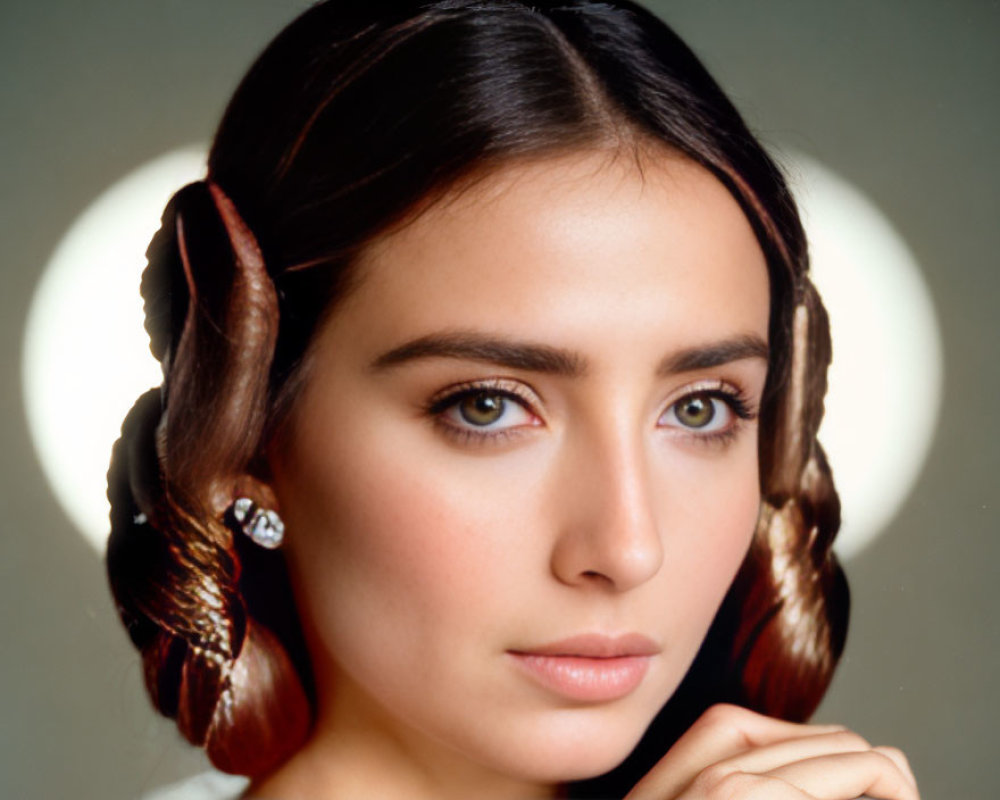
(726, 720)
(895, 754)
(722, 714)
(712, 776)
(892, 773)
(717, 783)
(887, 760)
(901, 762)
(738, 786)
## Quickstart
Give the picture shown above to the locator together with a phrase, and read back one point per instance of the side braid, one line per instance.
(793, 593)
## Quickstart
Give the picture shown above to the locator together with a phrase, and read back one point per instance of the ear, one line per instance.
(258, 490)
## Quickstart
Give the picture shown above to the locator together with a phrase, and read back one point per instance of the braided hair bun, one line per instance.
(175, 571)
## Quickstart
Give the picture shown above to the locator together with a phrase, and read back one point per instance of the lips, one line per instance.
(590, 668)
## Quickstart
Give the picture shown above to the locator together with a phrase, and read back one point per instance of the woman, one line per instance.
(503, 313)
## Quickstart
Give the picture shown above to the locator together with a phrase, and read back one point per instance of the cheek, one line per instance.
(714, 511)
(727, 530)
(384, 541)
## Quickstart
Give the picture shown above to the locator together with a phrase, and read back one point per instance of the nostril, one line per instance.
(594, 576)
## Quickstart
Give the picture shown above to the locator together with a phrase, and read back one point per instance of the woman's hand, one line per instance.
(731, 753)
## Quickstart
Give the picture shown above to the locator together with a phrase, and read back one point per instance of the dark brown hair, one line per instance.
(356, 116)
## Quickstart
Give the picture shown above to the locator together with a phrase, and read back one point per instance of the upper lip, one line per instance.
(596, 645)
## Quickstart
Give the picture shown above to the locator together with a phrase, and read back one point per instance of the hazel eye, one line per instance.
(702, 412)
(697, 411)
(484, 410)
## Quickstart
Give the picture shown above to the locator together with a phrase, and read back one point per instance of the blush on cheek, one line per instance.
(400, 531)
(725, 529)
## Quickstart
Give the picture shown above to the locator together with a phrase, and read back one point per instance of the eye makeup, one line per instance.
(496, 409)
(484, 411)
(710, 413)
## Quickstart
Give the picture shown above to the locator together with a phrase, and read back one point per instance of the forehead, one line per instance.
(585, 248)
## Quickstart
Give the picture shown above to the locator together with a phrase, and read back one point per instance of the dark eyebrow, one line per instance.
(473, 346)
(713, 355)
(478, 347)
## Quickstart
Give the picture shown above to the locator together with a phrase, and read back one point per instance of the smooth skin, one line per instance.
(534, 418)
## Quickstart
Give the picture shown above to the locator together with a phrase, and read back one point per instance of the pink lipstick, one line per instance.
(590, 668)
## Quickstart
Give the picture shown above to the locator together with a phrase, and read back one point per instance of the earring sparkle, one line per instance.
(262, 525)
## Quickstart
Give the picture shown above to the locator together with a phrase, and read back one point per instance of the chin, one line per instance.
(574, 745)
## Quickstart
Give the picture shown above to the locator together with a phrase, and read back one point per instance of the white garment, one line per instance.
(207, 786)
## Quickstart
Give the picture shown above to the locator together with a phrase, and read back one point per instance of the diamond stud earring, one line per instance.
(262, 525)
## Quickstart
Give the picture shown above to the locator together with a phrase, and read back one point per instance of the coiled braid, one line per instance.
(212, 317)
(791, 591)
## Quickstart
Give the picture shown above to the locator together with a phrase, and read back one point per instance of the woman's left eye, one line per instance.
(704, 413)
(484, 410)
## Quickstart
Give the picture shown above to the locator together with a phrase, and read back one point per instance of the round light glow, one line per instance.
(886, 375)
(86, 355)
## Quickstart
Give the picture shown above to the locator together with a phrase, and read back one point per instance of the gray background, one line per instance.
(898, 96)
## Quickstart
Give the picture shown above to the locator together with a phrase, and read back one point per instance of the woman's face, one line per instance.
(523, 471)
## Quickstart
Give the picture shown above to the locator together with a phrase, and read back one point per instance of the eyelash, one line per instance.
(737, 403)
(734, 399)
(451, 397)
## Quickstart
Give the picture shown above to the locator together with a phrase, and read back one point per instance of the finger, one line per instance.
(900, 759)
(721, 732)
(764, 759)
(846, 775)
(725, 731)
(742, 785)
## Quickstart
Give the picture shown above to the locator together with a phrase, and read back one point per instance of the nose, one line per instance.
(609, 535)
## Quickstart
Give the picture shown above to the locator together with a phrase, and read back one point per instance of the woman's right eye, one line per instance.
(483, 411)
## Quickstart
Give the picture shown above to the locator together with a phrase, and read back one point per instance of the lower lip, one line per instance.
(592, 680)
